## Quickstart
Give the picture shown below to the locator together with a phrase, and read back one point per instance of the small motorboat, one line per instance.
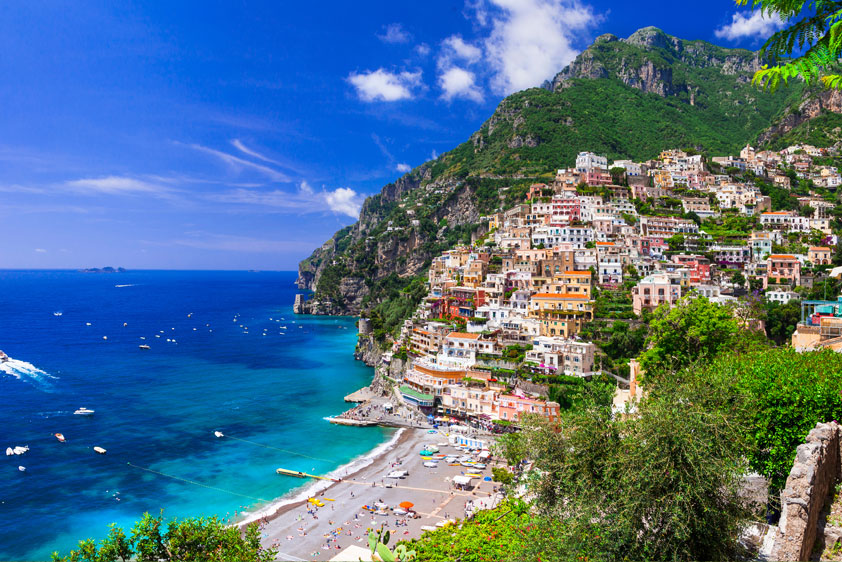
(431, 464)
(19, 450)
(60, 437)
(22, 468)
(144, 346)
(57, 313)
(100, 450)
(84, 412)
(219, 434)
(9, 451)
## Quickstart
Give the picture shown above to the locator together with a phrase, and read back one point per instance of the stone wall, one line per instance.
(815, 472)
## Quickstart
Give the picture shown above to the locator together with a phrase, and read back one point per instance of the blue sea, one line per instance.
(238, 361)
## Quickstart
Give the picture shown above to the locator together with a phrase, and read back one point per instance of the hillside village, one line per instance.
(583, 261)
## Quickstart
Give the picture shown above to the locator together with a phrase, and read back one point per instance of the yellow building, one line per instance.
(561, 314)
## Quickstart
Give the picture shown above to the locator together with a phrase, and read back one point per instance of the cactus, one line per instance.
(377, 541)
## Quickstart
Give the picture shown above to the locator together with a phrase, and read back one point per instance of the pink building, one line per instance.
(512, 408)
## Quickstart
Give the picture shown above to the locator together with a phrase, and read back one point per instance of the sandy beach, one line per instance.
(302, 531)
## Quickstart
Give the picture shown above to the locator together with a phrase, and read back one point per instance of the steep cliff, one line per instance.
(625, 98)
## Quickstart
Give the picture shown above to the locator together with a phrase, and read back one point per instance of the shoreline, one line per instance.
(298, 496)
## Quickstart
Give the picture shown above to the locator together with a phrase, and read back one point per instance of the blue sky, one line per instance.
(242, 134)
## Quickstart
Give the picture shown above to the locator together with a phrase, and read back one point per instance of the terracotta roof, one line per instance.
(463, 335)
(777, 213)
(781, 257)
(819, 249)
(577, 273)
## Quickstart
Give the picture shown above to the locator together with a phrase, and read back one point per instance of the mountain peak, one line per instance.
(652, 37)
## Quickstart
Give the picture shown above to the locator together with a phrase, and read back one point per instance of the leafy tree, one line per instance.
(694, 329)
(738, 279)
(676, 242)
(814, 28)
(660, 485)
(199, 539)
(781, 320)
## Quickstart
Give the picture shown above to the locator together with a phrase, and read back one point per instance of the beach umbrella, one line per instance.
(406, 505)
(487, 479)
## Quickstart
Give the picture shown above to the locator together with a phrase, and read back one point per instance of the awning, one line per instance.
(462, 480)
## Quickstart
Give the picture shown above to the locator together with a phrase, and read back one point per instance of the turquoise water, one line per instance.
(158, 409)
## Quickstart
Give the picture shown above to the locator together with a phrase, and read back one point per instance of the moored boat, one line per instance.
(84, 412)
(144, 346)
(219, 434)
(60, 437)
(100, 450)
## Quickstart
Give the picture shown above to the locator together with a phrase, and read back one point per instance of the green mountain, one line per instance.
(626, 98)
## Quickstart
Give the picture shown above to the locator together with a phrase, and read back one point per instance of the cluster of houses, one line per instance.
(521, 295)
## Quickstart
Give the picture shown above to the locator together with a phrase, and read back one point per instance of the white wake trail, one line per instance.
(28, 372)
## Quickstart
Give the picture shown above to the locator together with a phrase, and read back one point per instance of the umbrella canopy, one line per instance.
(406, 505)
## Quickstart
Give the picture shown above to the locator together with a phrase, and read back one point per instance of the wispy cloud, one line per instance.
(118, 185)
(238, 163)
(403, 168)
(394, 33)
(238, 144)
(232, 243)
(306, 200)
(755, 27)
(40, 251)
(382, 85)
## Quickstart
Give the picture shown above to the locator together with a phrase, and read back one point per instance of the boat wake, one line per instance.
(129, 285)
(28, 372)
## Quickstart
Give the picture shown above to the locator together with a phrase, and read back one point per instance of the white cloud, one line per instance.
(459, 83)
(531, 40)
(395, 33)
(40, 250)
(238, 163)
(754, 27)
(117, 185)
(403, 168)
(455, 48)
(422, 50)
(305, 188)
(380, 85)
(344, 200)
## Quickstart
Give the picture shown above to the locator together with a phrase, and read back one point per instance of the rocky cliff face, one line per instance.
(814, 104)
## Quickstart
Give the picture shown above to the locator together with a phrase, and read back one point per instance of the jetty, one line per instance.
(299, 474)
(348, 421)
(362, 395)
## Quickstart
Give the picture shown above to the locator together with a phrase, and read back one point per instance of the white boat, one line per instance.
(84, 412)
(3, 357)
(144, 346)
(99, 450)
(398, 474)
(20, 450)
(57, 313)
(60, 437)
(22, 468)
(9, 451)
(431, 464)
(219, 434)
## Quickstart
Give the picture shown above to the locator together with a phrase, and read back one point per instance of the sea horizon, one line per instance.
(267, 388)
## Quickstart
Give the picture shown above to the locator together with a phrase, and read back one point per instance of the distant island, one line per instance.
(103, 270)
